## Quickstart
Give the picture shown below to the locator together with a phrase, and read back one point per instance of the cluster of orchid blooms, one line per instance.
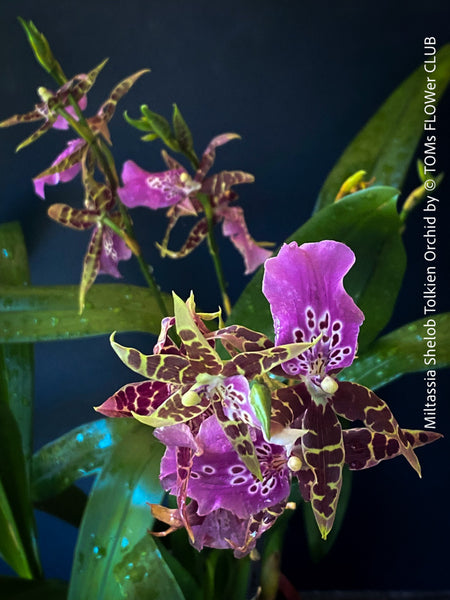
(237, 429)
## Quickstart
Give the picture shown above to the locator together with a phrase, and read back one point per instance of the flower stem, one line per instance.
(214, 251)
(106, 163)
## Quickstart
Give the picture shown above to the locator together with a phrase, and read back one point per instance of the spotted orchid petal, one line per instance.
(304, 286)
(217, 185)
(209, 154)
(91, 264)
(79, 219)
(139, 398)
(357, 403)
(108, 108)
(65, 167)
(202, 356)
(236, 338)
(154, 190)
(166, 368)
(235, 228)
(196, 236)
(323, 453)
(181, 406)
(253, 364)
(365, 448)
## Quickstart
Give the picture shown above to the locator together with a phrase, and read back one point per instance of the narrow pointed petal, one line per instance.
(154, 190)
(170, 162)
(196, 236)
(139, 398)
(238, 434)
(365, 448)
(91, 265)
(203, 358)
(323, 452)
(218, 184)
(252, 364)
(357, 403)
(236, 338)
(235, 227)
(166, 368)
(36, 135)
(72, 217)
(304, 286)
(79, 85)
(209, 155)
(173, 411)
(107, 109)
(29, 117)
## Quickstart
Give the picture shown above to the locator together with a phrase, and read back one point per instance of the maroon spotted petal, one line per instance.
(141, 398)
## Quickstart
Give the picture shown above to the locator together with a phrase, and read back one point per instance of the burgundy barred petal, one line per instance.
(64, 176)
(154, 190)
(235, 228)
(141, 398)
(114, 249)
(304, 286)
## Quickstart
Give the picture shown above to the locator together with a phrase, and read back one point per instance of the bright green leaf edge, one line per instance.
(400, 352)
(79, 453)
(18, 539)
(46, 313)
(112, 542)
(385, 146)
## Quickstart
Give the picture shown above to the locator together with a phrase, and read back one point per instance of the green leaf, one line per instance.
(366, 221)
(161, 126)
(17, 380)
(384, 148)
(184, 576)
(400, 352)
(43, 313)
(68, 505)
(17, 531)
(18, 539)
(79, 453)
(14, 588)
(113, 531)
(319, 548)
(260, 401)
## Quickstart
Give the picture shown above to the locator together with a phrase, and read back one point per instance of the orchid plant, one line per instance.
(234, 422)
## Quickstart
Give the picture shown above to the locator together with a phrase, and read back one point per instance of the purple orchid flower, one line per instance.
(176, 189)
(304, 286)
(225, 495)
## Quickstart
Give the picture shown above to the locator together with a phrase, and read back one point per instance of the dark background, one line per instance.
(297, 80)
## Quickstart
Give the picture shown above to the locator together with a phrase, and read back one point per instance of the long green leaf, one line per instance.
(402, 351)
(18, 360)
(368, 222)
(384, 148)
(43, 313)
(113, 549)
(18, 539)
(78, 453)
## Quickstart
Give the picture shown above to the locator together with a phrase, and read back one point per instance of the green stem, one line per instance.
(214, 251)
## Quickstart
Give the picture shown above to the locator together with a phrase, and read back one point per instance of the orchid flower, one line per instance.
(67, 165)
(230, 506)
(105, 248)
(48, 110)
(184, 382)
(175, 189)
(304, 286)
